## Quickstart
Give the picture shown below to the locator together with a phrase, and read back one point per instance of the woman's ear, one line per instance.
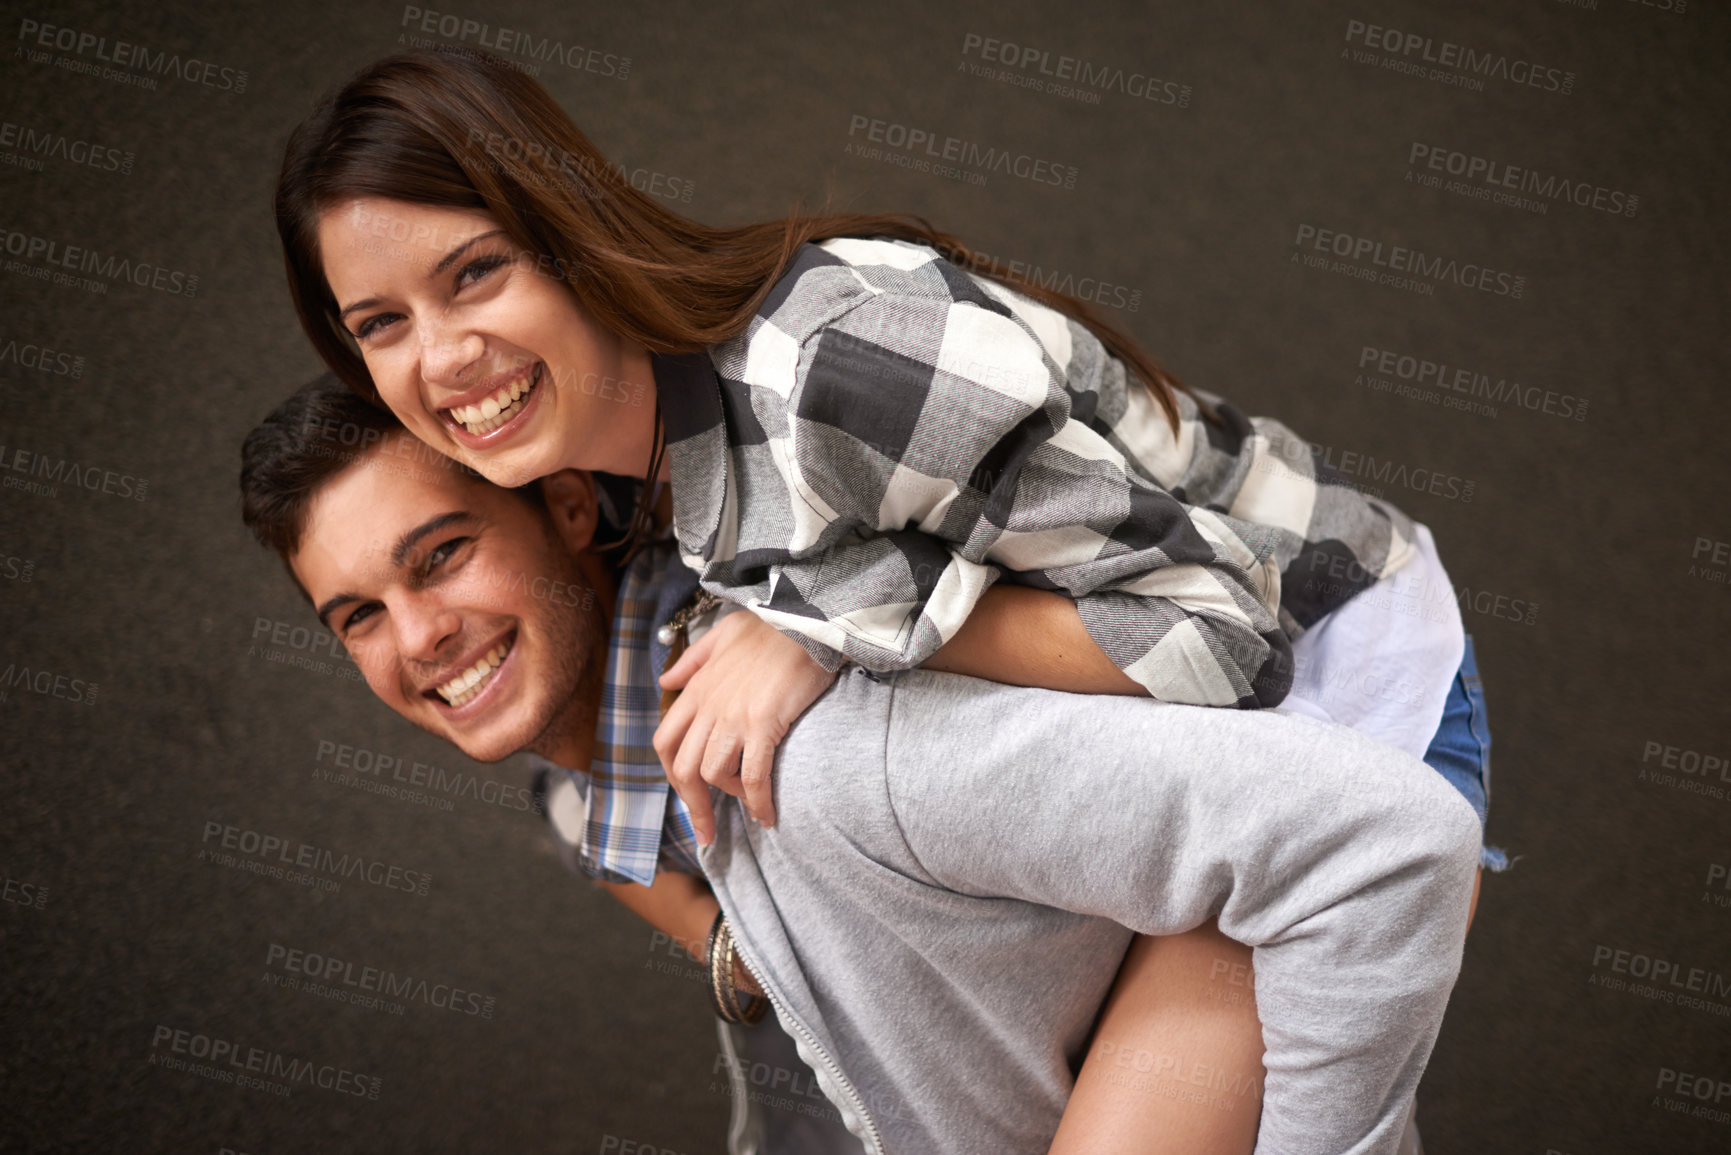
(570, 496)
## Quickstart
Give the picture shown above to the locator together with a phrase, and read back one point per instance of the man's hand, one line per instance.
(742, 685)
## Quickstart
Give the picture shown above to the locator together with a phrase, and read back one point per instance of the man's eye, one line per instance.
(478, 268)
(361, 614)
(442, 553)
(376, 324)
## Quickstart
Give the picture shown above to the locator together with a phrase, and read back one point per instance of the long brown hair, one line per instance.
(461, 128)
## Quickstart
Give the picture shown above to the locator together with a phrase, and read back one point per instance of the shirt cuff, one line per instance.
(830, 659)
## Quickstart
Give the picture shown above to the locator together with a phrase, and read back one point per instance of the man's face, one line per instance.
(465, 611)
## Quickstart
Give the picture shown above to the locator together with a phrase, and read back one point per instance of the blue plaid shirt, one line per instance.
(635, 821)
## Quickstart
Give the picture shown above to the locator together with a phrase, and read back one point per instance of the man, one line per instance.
(957, 867)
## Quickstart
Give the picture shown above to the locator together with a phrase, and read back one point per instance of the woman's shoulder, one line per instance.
(827, 279)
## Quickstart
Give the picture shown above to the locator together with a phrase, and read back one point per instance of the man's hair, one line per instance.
(321, 430)
(324, 428)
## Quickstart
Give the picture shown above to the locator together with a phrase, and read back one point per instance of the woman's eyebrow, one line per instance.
(450, 258)
(366, 304)
(445, 262)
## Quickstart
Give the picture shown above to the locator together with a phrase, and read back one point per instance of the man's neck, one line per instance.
(570, 742)
(573, 746)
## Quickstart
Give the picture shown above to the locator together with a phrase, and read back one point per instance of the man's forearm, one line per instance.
(680, 906)
(1029, 637)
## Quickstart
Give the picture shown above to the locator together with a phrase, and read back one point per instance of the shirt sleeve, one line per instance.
(930, 449)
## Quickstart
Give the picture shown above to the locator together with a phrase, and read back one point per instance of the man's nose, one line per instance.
(424, 626)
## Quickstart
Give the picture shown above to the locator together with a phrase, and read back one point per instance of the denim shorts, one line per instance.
(1461, 750)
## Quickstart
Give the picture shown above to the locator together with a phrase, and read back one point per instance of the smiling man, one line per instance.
(958, 866)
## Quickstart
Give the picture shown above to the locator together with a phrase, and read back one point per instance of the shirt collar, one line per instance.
(630, 805)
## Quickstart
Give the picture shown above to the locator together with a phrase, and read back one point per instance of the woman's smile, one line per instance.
(475, 346)
(489, 414)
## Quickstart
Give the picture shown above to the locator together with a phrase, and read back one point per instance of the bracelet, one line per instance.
(723, 990)
(710, 960)
(702, 601)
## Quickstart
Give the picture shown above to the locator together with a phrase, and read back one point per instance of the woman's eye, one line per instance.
(477, 269)
(374, 325)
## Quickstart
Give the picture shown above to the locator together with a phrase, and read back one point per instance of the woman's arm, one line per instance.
(1028, 637)
(745, 669)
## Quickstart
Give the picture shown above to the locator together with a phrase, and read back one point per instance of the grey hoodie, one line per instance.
(958, 867)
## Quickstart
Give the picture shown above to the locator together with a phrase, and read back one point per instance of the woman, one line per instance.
(891, 436)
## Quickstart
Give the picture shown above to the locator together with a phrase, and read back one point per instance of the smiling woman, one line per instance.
(463, 332)
(425, 154)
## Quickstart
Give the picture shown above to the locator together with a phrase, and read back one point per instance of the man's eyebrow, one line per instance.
(332, 605)
(399, 554)
(445, 262)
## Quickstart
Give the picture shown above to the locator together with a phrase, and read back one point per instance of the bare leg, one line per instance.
(1181, 1021)
(1176, 1062)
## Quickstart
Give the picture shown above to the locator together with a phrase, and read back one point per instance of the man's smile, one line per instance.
(474, 677)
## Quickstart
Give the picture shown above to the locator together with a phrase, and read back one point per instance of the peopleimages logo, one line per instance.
(1449, 62)
(1405, 266)
(1514, 185)
(46, 683)
(230, 1062)
(1072, 76)
(360, 983)
(511, 42)
(1429, 378)
(33, 144)
(272, 850)
(927, 146)
(57, 254)
(41, 358)
(36, 40)
(45, 473)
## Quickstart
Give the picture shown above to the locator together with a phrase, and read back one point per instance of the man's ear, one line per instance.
(570, 497)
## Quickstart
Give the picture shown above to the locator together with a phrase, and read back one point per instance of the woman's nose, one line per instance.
(447, 348)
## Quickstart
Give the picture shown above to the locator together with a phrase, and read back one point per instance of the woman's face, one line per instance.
(485, 354)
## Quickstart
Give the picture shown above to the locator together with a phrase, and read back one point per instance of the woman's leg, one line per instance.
(1176, 1061)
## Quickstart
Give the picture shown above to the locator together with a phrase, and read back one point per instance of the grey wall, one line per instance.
(1588, 532)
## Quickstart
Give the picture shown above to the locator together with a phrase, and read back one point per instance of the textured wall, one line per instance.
(1232, 182)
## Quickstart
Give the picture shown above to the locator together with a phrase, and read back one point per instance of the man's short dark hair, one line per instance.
(323, 428)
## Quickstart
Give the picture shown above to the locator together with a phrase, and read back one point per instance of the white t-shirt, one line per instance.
(1382, 664)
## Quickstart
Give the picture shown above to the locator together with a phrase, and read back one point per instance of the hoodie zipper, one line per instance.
(875, 1138)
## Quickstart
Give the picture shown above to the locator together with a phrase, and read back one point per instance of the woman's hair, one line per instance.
(460, 128)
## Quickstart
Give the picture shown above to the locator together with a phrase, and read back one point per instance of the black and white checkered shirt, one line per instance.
(892, 434)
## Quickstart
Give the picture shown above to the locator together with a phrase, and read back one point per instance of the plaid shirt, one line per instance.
(634, 819)
(891, 434)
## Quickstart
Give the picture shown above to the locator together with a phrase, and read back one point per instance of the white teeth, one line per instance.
(468, 683)
(497, 409)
